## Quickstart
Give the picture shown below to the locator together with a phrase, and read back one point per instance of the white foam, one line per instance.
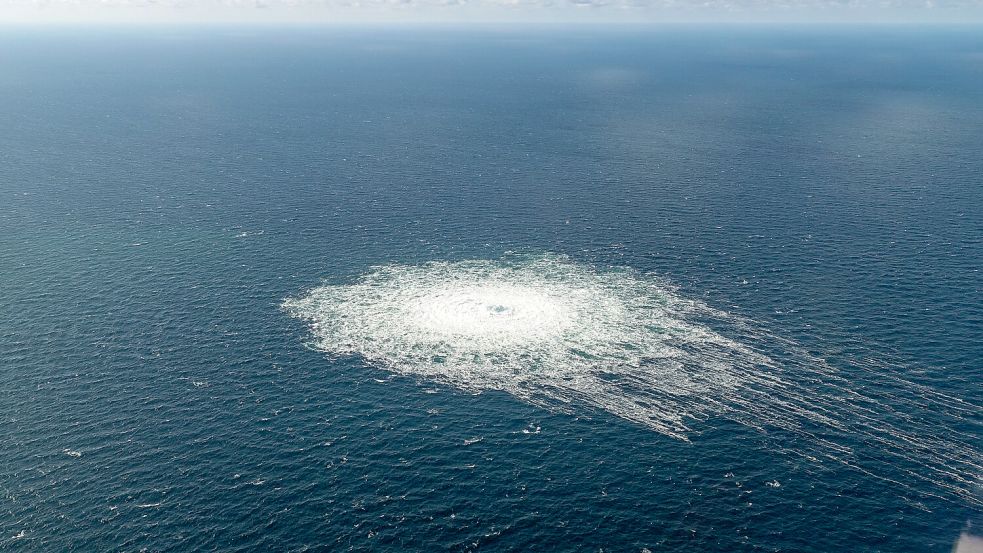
(545, 330)
(563, 335)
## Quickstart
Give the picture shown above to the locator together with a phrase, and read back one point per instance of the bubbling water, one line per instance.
(544, 330)
(560, 334)
(493, 313)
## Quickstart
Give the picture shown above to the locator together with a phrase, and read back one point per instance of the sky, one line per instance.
(535, 11)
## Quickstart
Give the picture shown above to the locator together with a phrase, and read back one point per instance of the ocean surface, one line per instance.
(436, 289)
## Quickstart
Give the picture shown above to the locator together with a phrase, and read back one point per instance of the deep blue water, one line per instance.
(162, 192)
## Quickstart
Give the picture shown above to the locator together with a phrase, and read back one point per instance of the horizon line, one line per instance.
(552, 23)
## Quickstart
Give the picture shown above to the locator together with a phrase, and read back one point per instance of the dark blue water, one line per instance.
(163, 191)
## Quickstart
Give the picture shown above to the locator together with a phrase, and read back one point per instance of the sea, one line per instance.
(491, 288)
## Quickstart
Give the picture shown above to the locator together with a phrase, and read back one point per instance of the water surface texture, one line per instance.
(490, 290)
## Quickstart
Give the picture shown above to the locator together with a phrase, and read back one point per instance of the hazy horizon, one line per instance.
(491, 11)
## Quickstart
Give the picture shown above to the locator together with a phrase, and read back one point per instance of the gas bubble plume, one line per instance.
(566, 336)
